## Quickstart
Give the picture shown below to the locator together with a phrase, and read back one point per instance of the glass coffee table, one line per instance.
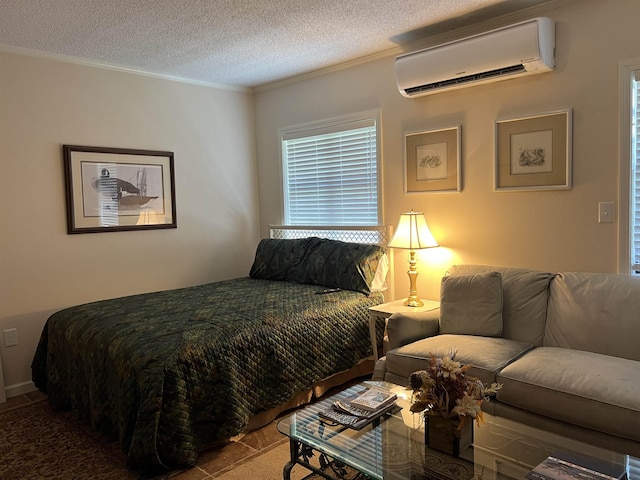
(392, 447)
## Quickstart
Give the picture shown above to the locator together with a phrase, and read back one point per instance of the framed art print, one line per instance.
(534, 153)
(115, 189)
(432, 161)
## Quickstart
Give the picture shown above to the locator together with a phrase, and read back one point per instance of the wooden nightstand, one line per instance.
(385, 310)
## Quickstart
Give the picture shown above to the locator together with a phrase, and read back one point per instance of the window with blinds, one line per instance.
(331, 172)
(633, 468)
(634, 207)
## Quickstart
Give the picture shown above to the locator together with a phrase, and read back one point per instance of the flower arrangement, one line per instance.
(445, 390)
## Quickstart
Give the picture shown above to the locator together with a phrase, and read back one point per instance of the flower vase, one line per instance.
(446, 435)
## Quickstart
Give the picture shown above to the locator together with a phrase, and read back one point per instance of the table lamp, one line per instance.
(412, 234)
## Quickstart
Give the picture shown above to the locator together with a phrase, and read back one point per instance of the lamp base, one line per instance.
(413, 301)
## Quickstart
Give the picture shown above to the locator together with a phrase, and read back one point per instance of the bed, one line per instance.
(170, 373)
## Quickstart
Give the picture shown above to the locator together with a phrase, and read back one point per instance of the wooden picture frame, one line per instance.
(534, 153)
(117, 189)
(432, 161)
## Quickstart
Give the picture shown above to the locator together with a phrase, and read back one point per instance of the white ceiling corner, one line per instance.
(234, 43)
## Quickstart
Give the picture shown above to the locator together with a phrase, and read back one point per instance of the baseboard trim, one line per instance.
(19, 389)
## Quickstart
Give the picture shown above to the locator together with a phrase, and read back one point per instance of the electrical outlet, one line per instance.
(10, 337)
(605, 212)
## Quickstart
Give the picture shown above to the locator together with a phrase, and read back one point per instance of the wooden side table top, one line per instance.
(387, 309)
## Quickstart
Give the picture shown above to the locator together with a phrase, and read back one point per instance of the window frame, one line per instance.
(628, 71)
(331, 124)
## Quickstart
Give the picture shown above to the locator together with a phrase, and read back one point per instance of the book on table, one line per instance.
(353, 416)
(343, 414)
(373, 399)
(565, 466)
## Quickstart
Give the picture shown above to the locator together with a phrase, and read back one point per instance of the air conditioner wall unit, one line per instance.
(508, 52)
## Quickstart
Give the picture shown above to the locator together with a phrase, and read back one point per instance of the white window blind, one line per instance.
(633, 468)
(635, 176)
(331, 173)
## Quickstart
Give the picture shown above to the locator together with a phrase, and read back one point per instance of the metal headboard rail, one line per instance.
(377, 234)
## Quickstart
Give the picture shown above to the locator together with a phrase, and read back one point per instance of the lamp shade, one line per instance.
(412, 232)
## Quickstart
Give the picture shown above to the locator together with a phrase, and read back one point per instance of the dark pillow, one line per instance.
(281, 259)
(471, 304)
(345, 265)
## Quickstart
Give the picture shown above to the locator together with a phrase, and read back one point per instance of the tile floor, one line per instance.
(21, 400)
(218, 461)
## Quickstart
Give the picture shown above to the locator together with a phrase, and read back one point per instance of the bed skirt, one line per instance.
(363, 369)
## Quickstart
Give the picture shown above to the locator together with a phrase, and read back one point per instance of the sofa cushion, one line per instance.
(596, 312)
(487, 354)
(471, 304)
(595, 391)
(525, 293)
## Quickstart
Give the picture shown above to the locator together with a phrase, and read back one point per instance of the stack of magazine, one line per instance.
(565, 466)
(359, 411)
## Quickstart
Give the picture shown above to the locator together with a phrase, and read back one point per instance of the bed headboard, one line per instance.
(376, 235)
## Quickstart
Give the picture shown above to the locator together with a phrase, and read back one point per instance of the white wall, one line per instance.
(45, 104)
(550, 230)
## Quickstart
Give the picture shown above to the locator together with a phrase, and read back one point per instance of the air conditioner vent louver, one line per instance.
(522, 49)
(500, 72)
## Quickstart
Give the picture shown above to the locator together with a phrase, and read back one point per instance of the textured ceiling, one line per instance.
(243, 43)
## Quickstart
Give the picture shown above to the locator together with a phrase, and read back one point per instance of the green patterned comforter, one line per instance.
(169, 372)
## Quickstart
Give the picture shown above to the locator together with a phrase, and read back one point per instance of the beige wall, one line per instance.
(45, 104)
(550, 230)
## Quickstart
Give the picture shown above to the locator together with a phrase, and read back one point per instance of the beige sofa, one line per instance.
(565, 346)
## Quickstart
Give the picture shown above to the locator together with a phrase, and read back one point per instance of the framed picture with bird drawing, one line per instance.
(432, 161)
(116, 189)
(534, 152)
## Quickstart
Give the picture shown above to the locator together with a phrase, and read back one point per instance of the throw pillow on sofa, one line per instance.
(471, 304)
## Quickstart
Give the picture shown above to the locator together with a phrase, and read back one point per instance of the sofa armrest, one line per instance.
(404, 328)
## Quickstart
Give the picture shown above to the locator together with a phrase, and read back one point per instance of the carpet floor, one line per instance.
(38, 442)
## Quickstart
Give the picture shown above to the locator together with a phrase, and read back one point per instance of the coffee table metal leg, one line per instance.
(286, 472)
(293, 453)
(300, 455)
